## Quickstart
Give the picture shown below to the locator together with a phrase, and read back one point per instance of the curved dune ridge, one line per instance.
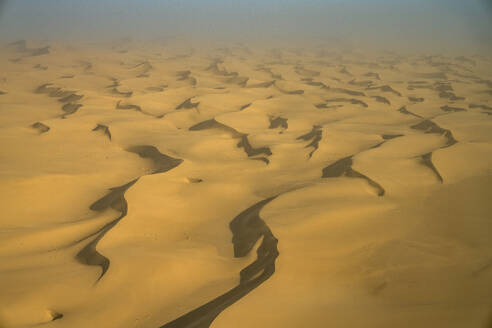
(264, 186)
(247, 228)
(115, 199)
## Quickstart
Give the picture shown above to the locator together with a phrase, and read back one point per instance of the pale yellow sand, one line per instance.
(419, 256)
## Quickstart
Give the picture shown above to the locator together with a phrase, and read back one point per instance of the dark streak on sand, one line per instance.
(243, 143)
(343, 167)
(66, 97)
(104, 129)
(162, 163)
(427, 126)
(265, 85)
(21, 46)
(287, 92)
(250, 151)
(213, 124)
(187, 104)
(373, 75)
(416, 99)
(263, 159)
(391, 136)
(186, 76)
(404, 110)
(381, 100)
(386, 88)
(119, 105)
(56, 316)
(71, 98)
(426, 160)
(447, 108)
(305, 72)
(278, 121)
(120, 93)
(348, 92)
(247, 228)
(352, 101)
(70, 108)
(115, 200)
(366, 83)
(315, 136)
(42, 128)
(243, 107)
(238, 80)
(484, 107)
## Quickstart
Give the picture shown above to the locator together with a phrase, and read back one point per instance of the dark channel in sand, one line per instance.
(426, 160)
(381, 99)
(119, 105)
(186, 76)
(187, 104)
(427, 126)
(137, 108)
(268, 70)
(391, 136)
(315, 135)
(265, 85)
(305, 72)
(162, 162)
(475, 106)
(71, 98)
(348, 92)
(343, 167)
(243, 142)
(366, 83)
(448, 109)
(243, 107)
(373, 75)
(238, 80)
(247, 228)
(386, 88)
(404, 110)
(115, 91)
(115, 200)
(278, 121)
(70, 108)
(56, 316)
(21, 47)
(67, 97)
(213, 124)
(144, 68)
(289, 92)
(250, 150)
(416, 99)
(309, 81)
(42, 128)
(351, 101)
(104, 129)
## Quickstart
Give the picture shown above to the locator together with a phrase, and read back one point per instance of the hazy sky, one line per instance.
(398, 21)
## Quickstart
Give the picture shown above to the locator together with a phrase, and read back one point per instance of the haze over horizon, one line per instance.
(435, 24)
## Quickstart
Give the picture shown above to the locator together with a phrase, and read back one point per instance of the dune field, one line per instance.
(160, 184)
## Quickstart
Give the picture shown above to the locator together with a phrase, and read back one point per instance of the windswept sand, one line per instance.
(158, 185)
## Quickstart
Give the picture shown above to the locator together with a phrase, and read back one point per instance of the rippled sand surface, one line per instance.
(163, 185)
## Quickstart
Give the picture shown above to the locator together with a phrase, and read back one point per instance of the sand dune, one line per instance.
(152, 185)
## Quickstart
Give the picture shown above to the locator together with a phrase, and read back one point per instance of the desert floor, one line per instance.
(164, 185)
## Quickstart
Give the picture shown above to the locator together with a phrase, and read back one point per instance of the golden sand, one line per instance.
(355, 187)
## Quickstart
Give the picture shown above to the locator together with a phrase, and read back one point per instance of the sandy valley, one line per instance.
(168, 185)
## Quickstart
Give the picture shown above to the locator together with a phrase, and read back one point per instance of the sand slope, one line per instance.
(151, 185)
